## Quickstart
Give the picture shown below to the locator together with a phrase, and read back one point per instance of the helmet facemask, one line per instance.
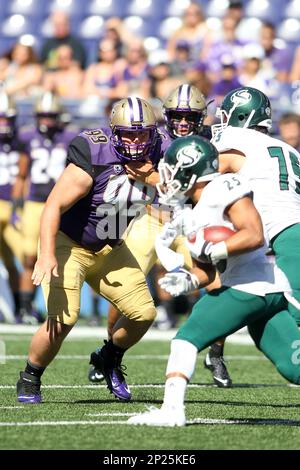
(193, 122)
(134, 143)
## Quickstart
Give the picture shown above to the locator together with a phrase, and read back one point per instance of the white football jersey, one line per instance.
(273, 169)
(252, 272)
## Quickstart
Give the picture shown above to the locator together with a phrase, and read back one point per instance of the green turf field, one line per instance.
(259, 412)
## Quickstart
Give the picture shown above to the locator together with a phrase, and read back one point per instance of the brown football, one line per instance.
(217, 233)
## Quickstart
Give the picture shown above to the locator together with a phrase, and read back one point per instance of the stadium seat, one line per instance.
(168, 26)
(6, 44)
(91, 27)
(176, 7)
(249, 29)
(72, 7)
(217, 8)
(106, 8)
(26, 7)
(266, 10)
(15, 25)
(289, 30)
(138, 26)
(145, 9)
(292, 9)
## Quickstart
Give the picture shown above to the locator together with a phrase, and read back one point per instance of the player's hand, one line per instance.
(45, 267)
(167, 235)
(179, 283)
(141, 171)
(199, 248)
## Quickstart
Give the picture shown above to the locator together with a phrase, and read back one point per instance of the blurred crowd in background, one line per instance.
(90, 54)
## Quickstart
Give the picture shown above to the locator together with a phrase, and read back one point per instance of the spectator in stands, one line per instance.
(161, 80)
(66, 81)
(295, 70)
(182, 58)
(252, 74)
(228, 80)
(22, 75)
(194, 30)
(276, 62)
(135, 73)
(289, 129)
(235, 10)
(227, 44)
(101, 78)
(61, 27)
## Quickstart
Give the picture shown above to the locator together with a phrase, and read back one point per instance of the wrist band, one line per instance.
(218, 251)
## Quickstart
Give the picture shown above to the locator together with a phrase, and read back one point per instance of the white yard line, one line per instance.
(110, 414)
(139, 357)
(241, 337)
(206, 421)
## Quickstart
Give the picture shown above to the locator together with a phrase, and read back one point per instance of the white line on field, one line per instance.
(110, 414)
(97, 386)
(12, 407)
(207, 421)
(141, 357)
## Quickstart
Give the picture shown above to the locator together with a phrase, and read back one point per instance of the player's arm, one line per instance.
(231, 161)
(18, 189)
(74, 183)
(248, 224)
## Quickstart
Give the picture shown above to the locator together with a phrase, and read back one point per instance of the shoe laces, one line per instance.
(31, 387)
(120, 371)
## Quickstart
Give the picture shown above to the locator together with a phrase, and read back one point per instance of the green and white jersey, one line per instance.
(273, 169)
(252, 272)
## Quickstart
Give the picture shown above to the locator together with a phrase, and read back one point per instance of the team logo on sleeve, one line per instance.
(118, 169)
(188, 156)
(241, 97)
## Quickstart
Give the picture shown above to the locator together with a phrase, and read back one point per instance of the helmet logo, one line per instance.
(268, 111)
(188, 156)
(241, 97)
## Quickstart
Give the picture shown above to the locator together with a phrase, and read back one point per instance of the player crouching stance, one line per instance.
(252, 285)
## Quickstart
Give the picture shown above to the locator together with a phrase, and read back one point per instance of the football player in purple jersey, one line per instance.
(10, 150)
(185, 110)
(46, 148)
(81, 228)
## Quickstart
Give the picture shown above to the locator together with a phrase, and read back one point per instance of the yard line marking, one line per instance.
(240, 337)
(60, 423)
(12, 407)
(97, 386)
(206, 421)
(138, 357)
(110, 414)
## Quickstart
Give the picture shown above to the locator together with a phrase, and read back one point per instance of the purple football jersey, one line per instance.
(10, 151)
(47, 160)
(101, 217)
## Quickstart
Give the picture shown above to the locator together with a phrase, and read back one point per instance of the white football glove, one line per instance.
(200, 249)
(208, 252)
(167, 235)
(179, 283)
(168, 258)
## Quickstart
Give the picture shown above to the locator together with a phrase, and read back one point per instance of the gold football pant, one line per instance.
(113, 273)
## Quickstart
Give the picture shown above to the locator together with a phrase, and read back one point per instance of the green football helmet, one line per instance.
(244, 107)
(187, 161)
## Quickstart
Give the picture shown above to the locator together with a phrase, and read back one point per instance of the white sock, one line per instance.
(174, 392)
(182, 358)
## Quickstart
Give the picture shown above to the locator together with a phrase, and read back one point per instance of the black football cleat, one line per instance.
(214, 361)
(28, 389)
